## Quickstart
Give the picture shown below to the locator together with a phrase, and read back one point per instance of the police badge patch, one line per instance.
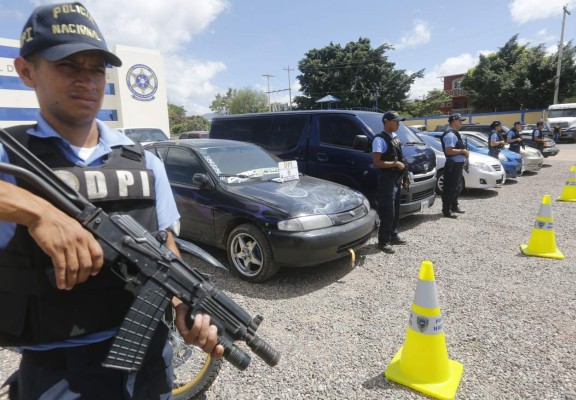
(142, 82)
(422, 323)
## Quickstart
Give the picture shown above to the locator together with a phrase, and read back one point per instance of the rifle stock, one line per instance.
(140, 258)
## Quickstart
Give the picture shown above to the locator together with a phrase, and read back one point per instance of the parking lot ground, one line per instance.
(508, 318)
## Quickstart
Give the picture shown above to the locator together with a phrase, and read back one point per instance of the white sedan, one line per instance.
(533, 159)
(484, 172)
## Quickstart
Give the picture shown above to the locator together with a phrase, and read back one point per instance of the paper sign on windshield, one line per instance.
(288, 171)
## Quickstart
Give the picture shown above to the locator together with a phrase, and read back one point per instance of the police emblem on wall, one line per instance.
(142, 82)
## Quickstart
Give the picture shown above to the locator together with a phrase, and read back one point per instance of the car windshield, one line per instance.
(476, 142)
(568, 112)
(237, 164)
(432, 142)
(374, 122)
(145, 134)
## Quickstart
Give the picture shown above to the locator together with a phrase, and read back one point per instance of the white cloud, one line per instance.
(418, 36)
(167, 26)
(523, 11)
(452, 66)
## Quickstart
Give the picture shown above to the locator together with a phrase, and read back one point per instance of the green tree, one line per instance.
(519, 77)
(248, 100)
(430, 106)
(361, 76)
(193, 123)
(221, 104)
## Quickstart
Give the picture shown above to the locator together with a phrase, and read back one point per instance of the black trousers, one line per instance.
(452, 182)
(77, 373)
(388, 205)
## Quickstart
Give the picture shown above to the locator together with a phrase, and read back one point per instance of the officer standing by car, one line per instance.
(514, 138)
(456, 155)
(387, 157)
(538, 136)
(495, 141)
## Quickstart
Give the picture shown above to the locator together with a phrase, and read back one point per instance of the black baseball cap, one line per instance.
(518, 123)
(457, 116)
(57, 31)
(494, 124)
(392, 116)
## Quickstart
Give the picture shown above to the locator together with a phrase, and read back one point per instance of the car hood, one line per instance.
(306, 196)
(482, 158)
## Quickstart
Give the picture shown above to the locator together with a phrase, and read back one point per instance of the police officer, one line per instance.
(514, 137)
(387, 157)
(538, 136)
(495, 140)
(65, 329)
(456, 155)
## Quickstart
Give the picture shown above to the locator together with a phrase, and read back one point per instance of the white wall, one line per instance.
(142, 69)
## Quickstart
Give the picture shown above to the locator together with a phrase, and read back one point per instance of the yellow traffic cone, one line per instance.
(542, 242)
(422, 362)
(569, 192)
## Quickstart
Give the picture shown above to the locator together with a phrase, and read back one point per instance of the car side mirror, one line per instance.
(361, 142)
(202, 181)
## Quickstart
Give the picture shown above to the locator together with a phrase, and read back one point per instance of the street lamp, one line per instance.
(560, 47)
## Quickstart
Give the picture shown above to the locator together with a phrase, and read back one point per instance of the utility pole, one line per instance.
(269, 103)
(560, 48)
(289, 87)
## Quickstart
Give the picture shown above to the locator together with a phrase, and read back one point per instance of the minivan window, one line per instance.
(253, 130)
(286, 131)
(338, 130)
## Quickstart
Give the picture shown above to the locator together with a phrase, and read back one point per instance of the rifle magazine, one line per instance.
(133, 338)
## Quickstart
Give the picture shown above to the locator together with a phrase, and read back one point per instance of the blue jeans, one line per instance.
(388, 205)
(77, 373)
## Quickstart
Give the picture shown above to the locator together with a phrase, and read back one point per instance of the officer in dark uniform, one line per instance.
(387, 156)
(456, 155)
(65, 329)
(538, 135)
(514, 138)
(495, 140)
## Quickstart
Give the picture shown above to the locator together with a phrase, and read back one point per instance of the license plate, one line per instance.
(424, 205)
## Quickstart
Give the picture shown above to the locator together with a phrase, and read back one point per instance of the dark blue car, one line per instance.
(512, 162)
(229, 195)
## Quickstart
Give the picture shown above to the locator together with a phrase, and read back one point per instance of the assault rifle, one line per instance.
(404, 178)
(143, 260)
(467, 162)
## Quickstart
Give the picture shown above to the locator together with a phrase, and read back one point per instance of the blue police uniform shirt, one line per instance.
(450, 140)
(510, 134)
(165, 204)
(537, 133)
(494, 137)
(379, 145)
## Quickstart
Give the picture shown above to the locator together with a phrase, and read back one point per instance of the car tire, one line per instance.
(250, 254)
(440, 182)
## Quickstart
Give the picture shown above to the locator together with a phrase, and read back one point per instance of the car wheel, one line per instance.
(250, 254)
(439, 181)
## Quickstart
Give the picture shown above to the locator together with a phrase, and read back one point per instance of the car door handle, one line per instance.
(322, 156)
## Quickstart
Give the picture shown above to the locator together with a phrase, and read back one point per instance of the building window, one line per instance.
(456, 84)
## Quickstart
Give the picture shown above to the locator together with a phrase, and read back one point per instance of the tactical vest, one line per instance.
(459, 143)
(500, 146)
(515, 146)
(32, 310)
(393, 151)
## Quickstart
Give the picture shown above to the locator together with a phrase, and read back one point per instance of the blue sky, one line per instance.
(212, 45)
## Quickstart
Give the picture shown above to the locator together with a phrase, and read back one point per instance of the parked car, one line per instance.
(335, 145)
(484, 172)
(194, 135)
(229, 195)
(549, 149)
(512, 162)
(532, 157)
(144, 135)
(528, 128)
(483, 128)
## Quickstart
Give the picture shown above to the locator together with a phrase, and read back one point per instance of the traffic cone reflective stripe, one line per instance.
(422, 362)
(569, 192)
(542, 242)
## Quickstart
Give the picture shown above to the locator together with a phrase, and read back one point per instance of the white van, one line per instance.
(565, 116)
